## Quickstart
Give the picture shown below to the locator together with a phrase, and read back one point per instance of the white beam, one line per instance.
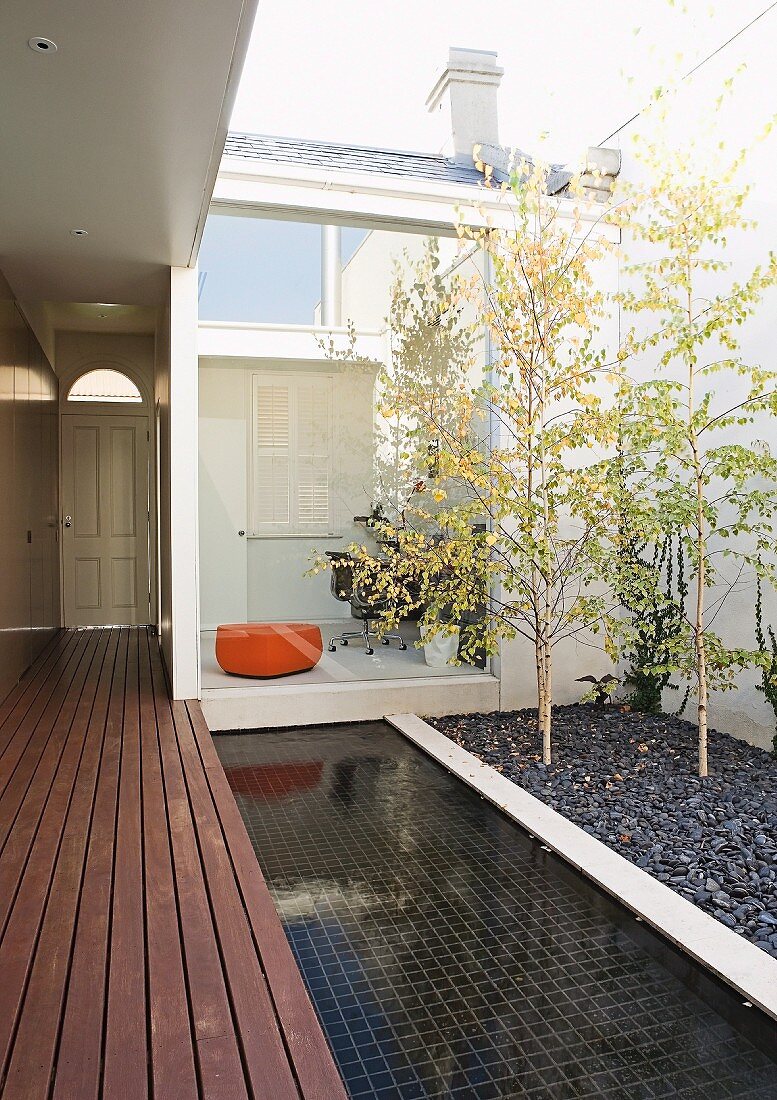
(184, 594)
(301, 343)
(290, 193)
(331, 276)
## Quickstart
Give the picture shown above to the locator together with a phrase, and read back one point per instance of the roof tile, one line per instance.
(356, 158)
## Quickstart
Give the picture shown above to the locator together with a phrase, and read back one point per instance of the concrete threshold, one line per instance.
(736, 961)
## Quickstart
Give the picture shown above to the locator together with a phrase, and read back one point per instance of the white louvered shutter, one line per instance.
(313, 446)
(292, 454)
(272, 445)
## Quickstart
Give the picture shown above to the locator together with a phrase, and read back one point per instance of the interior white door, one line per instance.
(105, 519)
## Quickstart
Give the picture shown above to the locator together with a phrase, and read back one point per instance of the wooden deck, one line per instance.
(140, 952)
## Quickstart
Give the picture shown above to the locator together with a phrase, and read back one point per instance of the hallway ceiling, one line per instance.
(100, 317)
(118, 132)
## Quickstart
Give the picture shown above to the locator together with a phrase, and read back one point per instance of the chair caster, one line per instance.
(384, 641)
(344, 641)
(333, 649)
(369, 652)
(402, 645)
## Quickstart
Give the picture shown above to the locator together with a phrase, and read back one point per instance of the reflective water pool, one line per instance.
(449, 955)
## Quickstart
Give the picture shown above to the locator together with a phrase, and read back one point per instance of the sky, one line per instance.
(357, 71)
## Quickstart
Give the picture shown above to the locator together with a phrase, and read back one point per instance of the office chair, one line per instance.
(362, 607)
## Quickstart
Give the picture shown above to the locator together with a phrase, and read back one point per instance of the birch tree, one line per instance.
(519, 496)
(693, 422)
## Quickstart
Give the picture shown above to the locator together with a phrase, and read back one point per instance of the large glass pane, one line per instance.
(301, 460)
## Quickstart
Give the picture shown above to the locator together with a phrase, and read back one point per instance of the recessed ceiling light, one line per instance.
(79, 232)
(42, 45)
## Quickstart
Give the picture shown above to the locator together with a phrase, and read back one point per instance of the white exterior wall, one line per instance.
(130, 353)
(176, 403)
(369, 274)
(743, 712)
(244, 578)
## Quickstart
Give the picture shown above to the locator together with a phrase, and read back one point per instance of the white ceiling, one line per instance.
(100, 317)
(119, 132)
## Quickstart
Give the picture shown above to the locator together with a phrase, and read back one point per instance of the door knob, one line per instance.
(68, 521)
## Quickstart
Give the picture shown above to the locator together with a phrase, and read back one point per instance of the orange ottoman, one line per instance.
(264, 650)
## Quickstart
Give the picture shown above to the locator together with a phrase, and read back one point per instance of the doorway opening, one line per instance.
(107, 486)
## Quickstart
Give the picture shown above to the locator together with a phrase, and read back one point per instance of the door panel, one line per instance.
(87, 587)
(124, 586)
(86, 481)
(105, 510)
(123, 489)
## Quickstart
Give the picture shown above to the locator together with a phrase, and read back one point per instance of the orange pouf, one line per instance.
(265, 650)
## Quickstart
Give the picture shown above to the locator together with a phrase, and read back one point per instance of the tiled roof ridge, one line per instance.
(351, 146)
(378, 161)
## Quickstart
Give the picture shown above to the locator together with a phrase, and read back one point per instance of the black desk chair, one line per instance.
(344, 589)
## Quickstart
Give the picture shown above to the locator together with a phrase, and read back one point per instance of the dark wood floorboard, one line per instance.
(140, 952)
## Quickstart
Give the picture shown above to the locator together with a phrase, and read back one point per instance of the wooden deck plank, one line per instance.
(264, 1054)
(43, 656)
(140, 952)
(126, 1038)
(22, 811)
(18, 700)
(79, 1060)
(34, 725)
(173, 1071)
(32, 675)
(218, 1054)
(32, 1059)
(19, 941)
(316, 1071)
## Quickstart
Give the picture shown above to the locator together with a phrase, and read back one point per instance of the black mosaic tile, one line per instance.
(449, 956)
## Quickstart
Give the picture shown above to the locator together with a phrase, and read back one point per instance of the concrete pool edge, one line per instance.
(736, 961)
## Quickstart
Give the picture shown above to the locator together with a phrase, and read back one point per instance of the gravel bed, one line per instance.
(629, 779)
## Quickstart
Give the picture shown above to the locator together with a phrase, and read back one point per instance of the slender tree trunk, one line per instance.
(543, 658)
(542, 692)
(702, 688)
(701, 652)
(546, 727)
(547, 613)
(699, 641)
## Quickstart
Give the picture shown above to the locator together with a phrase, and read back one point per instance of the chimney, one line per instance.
(469, 84)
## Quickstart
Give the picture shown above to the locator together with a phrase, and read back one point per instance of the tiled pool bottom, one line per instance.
(448, 955)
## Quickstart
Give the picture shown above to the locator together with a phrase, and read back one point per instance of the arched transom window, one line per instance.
(104, 385)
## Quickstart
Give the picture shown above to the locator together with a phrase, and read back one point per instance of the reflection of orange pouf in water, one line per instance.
(268, 649)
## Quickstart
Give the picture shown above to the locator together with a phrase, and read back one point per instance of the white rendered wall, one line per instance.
(369, 274)
(176, 397)
(130, 353)
(263, 579)
(743, 712)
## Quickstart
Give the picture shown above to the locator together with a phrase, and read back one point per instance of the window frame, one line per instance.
(136, 398)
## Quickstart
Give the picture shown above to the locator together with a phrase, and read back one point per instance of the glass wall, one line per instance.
(299, 459)
(255, 269)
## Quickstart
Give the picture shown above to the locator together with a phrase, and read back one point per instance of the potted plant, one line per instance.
(440, 637)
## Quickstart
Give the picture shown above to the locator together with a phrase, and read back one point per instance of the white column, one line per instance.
(183, 490)
(331, 277)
